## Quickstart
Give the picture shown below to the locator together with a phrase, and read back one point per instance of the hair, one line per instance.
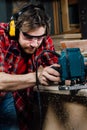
(33, 17)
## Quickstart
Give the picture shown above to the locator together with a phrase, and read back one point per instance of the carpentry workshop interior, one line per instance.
(61, 107)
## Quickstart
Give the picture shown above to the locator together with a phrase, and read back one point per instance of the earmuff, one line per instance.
(12, 26)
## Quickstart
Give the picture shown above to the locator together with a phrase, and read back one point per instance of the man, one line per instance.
(21, 42)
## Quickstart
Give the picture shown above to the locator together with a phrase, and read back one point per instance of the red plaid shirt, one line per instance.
(13, 61)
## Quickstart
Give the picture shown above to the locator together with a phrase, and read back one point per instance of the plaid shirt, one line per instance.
(14, 61)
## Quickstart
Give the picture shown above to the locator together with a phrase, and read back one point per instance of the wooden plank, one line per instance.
(82, 44)
(56, 18)
(65, 15)
(55, 89)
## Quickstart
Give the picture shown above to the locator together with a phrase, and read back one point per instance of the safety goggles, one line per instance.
(31, 37)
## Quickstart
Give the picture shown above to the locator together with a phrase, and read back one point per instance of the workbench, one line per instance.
(60, 109)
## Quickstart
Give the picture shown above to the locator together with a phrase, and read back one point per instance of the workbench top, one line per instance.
(55, 89)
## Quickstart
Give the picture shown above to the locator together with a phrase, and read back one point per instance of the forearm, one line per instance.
(9, 82)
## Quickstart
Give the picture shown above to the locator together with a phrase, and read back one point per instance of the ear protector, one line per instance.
(12, 26)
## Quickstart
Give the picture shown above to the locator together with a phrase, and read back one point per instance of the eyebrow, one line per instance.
(31, 36)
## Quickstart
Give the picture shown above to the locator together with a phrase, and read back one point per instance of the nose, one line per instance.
(34, 43)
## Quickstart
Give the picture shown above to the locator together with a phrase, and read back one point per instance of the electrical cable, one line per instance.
(37, 82)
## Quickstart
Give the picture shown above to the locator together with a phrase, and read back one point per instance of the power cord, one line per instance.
(37, 82)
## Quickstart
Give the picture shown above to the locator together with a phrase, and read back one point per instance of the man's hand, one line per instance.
(49, 74)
